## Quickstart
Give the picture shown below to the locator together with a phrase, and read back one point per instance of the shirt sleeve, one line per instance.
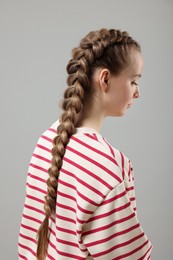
(113, 231)
(36, 189)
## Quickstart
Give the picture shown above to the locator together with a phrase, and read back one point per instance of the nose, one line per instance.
(137, 92)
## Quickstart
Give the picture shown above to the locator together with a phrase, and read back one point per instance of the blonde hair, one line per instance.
(109, 49)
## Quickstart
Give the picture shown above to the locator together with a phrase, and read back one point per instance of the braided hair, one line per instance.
(105, 48)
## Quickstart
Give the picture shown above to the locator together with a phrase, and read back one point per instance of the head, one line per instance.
(117, 91)
(102, 65)
(102, 58)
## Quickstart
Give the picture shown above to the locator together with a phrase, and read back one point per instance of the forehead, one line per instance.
(135, 65)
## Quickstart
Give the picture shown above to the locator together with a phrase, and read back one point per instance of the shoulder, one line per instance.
(97, 147)
(47, 136)
(44, 144)
(96, 155)
(118, 155)
(94, 146)
(123, 162)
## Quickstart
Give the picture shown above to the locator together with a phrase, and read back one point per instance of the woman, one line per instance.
(80, 201)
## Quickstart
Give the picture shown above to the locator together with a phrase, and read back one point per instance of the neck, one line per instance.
(92, 118)
(91, 123)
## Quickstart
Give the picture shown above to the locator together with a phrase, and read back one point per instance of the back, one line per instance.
(95, 208)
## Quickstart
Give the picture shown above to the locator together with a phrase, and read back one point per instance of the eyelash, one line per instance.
(134, 83)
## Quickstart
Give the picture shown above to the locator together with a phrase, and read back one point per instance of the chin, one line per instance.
(121, 114)
(118, 114)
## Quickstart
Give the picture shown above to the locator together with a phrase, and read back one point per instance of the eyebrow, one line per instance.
(138, 75)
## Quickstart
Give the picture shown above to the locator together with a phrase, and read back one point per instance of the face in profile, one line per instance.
(123, 89)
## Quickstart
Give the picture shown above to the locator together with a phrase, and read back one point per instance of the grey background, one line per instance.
(36, 38)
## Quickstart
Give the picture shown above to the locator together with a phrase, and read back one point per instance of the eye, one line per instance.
(134, 83)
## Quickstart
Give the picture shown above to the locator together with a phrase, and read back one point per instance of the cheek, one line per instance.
(119, 98)
(129, 92)
(125, 95)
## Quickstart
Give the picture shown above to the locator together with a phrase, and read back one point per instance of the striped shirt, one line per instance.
(95, 209)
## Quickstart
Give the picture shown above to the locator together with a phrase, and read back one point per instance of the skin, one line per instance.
(113, 95)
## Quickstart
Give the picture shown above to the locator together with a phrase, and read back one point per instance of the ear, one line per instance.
(104, 78)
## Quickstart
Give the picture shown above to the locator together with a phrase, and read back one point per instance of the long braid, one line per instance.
(92, 52)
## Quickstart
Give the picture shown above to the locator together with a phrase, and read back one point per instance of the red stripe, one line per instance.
(28, 238)
(22, 256)
(50, 257)
(81, 222)
(41, 158)
(94, 149)
(31, 218)
(52, 231)
(27, 248)
(84, 210)
(88, 172)
(83, 183)
(65, 242)
(36, 177)
(38, 167)
(129, 172)
(80, 194)
(130, 188)
(112, 236)
(66, 230)
(110, 212)
(29, 228)
(66, 219)
(51, 244)
(74, 199)
(143, 257)
(65, 207)
(36, 199)
(52, 218)
(118, 246)
(71, 256)
(36, 188)
(54, 247)
(73, 209)
(122, 164)
(95, 163)
(34, 209)
(66, 184)
(93, 137)
(92, 174)
(131, 253)
(43, 148)
(110, 147)
(62, 194)
(109, 225)
(87, 199)
(46, 138)
(113, 198)
(52, 130)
